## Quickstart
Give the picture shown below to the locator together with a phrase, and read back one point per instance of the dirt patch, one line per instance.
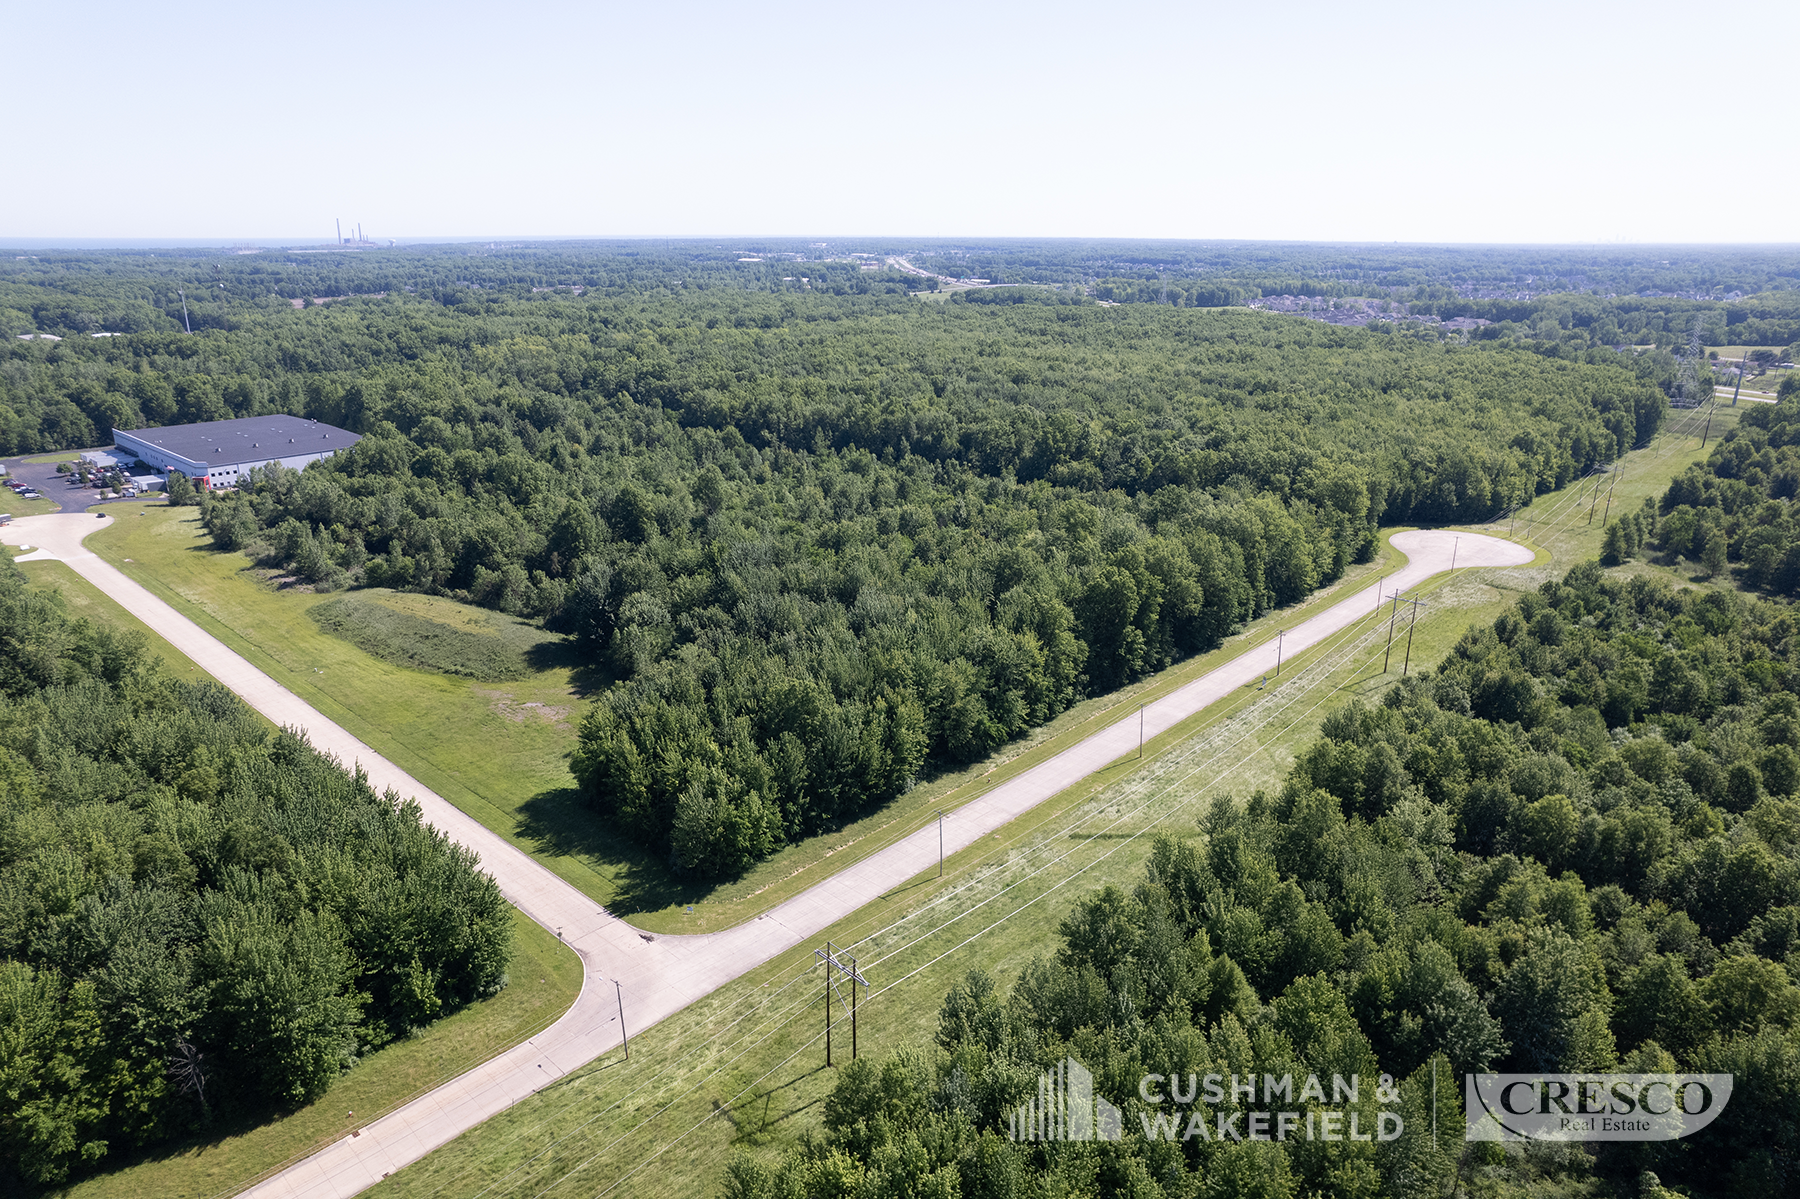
(282, 582)
(503, 703)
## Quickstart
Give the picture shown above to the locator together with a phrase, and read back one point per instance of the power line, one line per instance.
(967, 940)
(1334, 664)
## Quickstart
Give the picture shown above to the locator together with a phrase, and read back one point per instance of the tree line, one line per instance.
(818, 549)
(1732, 516)
(202, 922)
(1574, 847)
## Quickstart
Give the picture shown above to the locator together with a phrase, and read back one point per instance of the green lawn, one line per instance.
(496, 750)
(84, 599)
(18, 505)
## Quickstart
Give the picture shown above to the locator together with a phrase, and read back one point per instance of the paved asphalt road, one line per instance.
(662, 974)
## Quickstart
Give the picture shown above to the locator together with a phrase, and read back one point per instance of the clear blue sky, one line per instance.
(1522, 121)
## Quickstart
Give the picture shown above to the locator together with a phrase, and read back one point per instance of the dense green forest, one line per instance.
(821, 545)
(201, 922)
(118, 311)
(1576, 846)
(816, 537)
(1403, 271)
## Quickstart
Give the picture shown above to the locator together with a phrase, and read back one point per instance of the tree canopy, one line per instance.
(1576, 846)
(200, 919)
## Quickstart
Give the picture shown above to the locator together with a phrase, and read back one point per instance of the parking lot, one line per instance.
(60, 491)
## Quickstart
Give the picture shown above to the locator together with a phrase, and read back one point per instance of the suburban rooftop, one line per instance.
(247, 438)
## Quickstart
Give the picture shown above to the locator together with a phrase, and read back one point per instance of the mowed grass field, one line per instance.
(498, 750)
(17, 505)
(745, 1065)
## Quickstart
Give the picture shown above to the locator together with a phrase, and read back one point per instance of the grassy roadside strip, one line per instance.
(82, 598)
(1557, 524)
(545, 979)
(514, 778)
(446, 732)
(16, 505)
(687, 1100)
(725, 1069)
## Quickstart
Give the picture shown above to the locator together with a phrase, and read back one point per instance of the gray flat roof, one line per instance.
(250, 438)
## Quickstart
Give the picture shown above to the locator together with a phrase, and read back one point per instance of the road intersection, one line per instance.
(661, 974)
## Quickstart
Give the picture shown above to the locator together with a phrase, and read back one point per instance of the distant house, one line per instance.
(217, 453)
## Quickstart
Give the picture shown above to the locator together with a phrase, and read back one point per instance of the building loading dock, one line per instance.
(217, 453)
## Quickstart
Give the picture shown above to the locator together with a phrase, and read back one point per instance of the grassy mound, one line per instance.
(407, 639)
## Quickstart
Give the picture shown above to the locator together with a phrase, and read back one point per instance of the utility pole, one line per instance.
(1394, 612)
(1743, 360)
(1140, 732)
(1596, 502)
(1378, 596)
(854, 977)
(1279, 638)
(1607, 515)
(1409, 634)
(622, 1033)
(829, 955)
(1712, 408)
(826, 954)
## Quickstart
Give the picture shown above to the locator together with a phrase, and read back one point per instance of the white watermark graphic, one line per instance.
(1065, 1109)
(1332, 1120)
(1591, 1107)
(1269, 1107)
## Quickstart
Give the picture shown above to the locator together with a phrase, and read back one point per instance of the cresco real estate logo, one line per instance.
(1591, 1107)
(1498, 1107)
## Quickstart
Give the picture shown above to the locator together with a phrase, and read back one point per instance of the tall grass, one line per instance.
(417, 642)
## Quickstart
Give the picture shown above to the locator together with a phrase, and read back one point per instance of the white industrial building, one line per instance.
(217, 453)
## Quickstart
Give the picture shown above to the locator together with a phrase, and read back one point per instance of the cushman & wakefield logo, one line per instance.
(1591, 1107)
(1498, 1107)
(1312, 1115)
(1065, 1109)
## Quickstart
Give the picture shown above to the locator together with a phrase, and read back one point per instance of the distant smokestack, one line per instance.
(340, 226)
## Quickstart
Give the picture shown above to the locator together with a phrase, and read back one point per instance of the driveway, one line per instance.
(660, 975)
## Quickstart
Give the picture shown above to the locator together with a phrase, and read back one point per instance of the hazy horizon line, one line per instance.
(395, 242)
